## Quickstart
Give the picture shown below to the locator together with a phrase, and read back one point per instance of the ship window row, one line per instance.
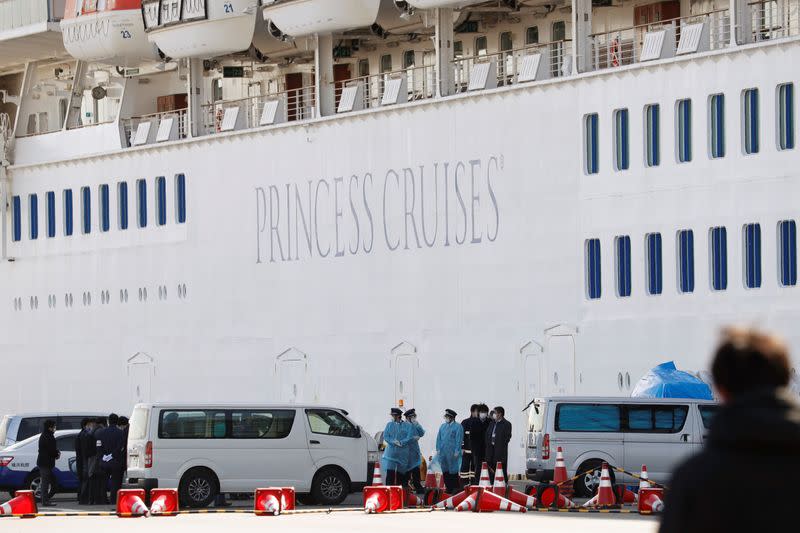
(652, 135)
(103, 208)
(105, 298)
(752, 264)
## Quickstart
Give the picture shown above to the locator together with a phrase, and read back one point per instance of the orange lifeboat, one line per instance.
(106, 31)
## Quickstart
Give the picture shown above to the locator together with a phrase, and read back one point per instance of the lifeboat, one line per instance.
(106, 31)
(306, 17)
(270, 42)
(200, 28)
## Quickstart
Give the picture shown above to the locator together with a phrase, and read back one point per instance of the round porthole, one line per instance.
(140, 294)
(628, 380)
(165, 292)
(555, 378)
(619, 380)
(36, 302)
(126, 295)
(145, 294)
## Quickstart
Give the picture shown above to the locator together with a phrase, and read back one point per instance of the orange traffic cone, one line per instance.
(288, 499)
(411, 499)
(377, 480)
(469, 503)
(484, 481)
(521, 498)
(376, 499)
(560, 475)
(490, 501)
(547, 498)
(644, 479)
(24, 503)
(651, 500)
(268, 501)
(130, 503)
(453, 501)
(605, 494)
(430, 480)
(499, 486)
(164, 502)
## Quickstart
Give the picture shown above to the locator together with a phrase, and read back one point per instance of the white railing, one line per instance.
(297, 104)
(774, 19)
(556, 60)
(625, 46)
(20, 13)
(130, 125)
(419, 82)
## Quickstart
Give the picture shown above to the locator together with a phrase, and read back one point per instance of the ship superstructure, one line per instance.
(419, 202)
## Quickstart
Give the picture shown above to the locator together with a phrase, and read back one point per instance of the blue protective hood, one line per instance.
(666, 381)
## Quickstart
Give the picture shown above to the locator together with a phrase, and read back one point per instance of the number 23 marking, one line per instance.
(126, 34)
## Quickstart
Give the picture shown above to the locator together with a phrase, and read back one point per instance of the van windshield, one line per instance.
(536, 416)
(138, 428)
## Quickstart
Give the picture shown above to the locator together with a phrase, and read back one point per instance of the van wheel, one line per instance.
(330, 486)
(34, 483)
(198, 488)
(588, 483)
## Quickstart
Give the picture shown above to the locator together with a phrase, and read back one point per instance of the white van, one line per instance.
(16, 428)
(204, 450)
(624, 432)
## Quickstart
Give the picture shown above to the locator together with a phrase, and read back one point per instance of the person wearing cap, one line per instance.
(414, 456)
(397, 436)
(448, 449)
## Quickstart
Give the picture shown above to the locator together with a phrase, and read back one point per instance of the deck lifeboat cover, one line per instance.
(307, 17)
(202, 28)
(106, 31)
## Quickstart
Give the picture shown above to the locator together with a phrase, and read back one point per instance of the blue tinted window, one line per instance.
(752, 256)
(717, 129)
(86, 210)
(787, 234)
(590, 142)
(719, 258)
(33, 205)
(17, 213)
(684, 132)
(652, 130)
(621, 140)
(588, 417)
(623, 249)
(655, 274)
(68, 212)
(141, 200)
(657, 418)
(786, 116)
(161, 200)
(122, 205)
(105, 208)
(51, 214)
(593, 281)
(750, 126)
(686, 261)
(180, 198)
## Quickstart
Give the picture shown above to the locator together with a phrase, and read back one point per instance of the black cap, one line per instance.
(396, 412)
(450, 413)
(410, 412)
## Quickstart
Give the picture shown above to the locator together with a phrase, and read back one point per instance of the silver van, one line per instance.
(624, 432)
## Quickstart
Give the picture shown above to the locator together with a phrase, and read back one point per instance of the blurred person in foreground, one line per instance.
(753, 446)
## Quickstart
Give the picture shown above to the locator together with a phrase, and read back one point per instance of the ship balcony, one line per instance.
(762, 21)
(264, 110)
(155, 127)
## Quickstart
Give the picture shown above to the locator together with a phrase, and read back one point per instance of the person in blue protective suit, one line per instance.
(412, 472)
(397, 436)
(448, 449)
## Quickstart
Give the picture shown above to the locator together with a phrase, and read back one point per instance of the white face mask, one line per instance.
(483, 416)
(494, 417)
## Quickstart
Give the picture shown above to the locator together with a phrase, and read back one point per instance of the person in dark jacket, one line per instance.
(46, 460)
(110, 446)
(87, 446)
(754, 436)
(498, 435)
(80, 462)
(469, 467)
(125, 426)
(98, 480)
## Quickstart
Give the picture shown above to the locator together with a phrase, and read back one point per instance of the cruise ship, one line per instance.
(378, 203)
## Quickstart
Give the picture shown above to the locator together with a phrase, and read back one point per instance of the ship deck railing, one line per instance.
(484, 71)
(130, 126)
(262, 110)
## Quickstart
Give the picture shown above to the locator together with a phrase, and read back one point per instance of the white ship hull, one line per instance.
(379, 290)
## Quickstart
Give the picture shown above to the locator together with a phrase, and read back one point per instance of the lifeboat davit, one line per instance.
(200, 28)
(306, 17)
(106, 31)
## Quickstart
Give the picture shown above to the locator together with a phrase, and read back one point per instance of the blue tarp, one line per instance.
(666, 381)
